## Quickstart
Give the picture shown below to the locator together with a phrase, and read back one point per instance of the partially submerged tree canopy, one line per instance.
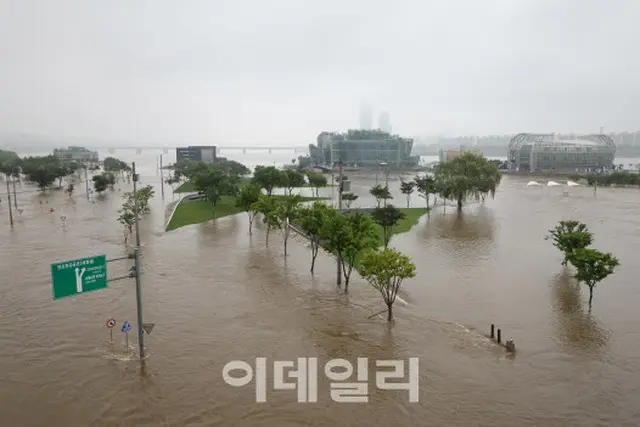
(592, 266)
(570, 235)
(467, 176)
(385, 270)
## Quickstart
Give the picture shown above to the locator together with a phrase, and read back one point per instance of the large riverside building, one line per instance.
(196, 153)
(545, 152)
(76, 154)
(363, 148)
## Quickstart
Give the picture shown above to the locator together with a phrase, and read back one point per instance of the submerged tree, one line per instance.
(387, 218)
(313, 221)
(317, 180)
(349, 198)
(425, 186)
(385, 270)
(407, 188)
(593, 266)
(467, 176)
(246, 200)
(287, 211)
(570, 235)
(381, 193)
(268, 207)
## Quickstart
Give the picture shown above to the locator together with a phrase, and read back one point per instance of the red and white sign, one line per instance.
(111, 323)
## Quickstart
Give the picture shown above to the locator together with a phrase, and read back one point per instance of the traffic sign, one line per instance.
(148, 327)
(79, 276)
(126, 327)
(111, 323)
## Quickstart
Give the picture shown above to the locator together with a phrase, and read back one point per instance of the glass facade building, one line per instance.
(362, 148)
(545, 152)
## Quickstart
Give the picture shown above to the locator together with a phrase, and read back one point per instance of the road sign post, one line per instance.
(126, 328)
(110, 324)
(79, 276)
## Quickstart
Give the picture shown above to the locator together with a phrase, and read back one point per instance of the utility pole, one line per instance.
(161, 176)
(340, 184)
(15, 197)
(137, 263)
(9, 202)
(86, 181)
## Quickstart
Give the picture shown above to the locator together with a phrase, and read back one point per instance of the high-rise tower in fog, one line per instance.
(366, 117)
(384, 123)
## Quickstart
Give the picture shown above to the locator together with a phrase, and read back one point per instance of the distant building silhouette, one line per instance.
(366, 117)
(384, 122)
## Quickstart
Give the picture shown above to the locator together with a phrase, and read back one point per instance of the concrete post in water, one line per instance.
(510, 346)
(135, 202)
(493, 331)
(9, 203)
(86, 181)
(15, 196)
(338, 260)
(499, 339)
(139, 304)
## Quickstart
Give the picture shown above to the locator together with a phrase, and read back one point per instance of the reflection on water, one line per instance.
(574, 326)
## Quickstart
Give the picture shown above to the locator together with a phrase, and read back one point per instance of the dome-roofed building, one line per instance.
(546, 152)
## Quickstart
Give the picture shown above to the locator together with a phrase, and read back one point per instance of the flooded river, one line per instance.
(217, 294)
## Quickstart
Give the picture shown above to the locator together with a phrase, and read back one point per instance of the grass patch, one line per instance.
(189, 187)
(189, 213)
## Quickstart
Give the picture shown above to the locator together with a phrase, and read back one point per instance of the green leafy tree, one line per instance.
(294, 179)
(268, 177)
(387, 218)
(287, 212)
(407, 188)
(213, 183)
(381, 193)
(41, 170)
(347, 237)
(570, 235)
(385, 270)
(268, 207)
(313, 221)
(468, 176)
(113, 165)
(349, 198)
(100, 183)
(317, 180)
(425, 186)
(131, 204)
(235, 170)
(246, 200)
(592, 267)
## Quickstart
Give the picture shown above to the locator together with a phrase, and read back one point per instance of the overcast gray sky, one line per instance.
(280, 71)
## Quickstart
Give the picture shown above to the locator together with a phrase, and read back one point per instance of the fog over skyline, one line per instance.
(278, 72)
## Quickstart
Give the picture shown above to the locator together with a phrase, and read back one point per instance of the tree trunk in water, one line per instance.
(459, 203)
(268, 229)
(590, 296)
(389, 312)
(428, 201)
(285, 243)
(250, 225)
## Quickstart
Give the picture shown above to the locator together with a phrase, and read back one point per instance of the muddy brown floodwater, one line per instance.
(217, 294)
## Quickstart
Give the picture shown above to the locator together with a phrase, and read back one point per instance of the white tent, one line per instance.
(533, 184)
(572, 184)
(553, 184)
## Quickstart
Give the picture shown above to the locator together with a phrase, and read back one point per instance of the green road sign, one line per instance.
(79, 276)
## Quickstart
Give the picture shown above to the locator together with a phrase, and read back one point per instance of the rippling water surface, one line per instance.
(217, 294)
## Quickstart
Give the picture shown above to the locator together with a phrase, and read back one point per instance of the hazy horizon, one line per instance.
(279, 72)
